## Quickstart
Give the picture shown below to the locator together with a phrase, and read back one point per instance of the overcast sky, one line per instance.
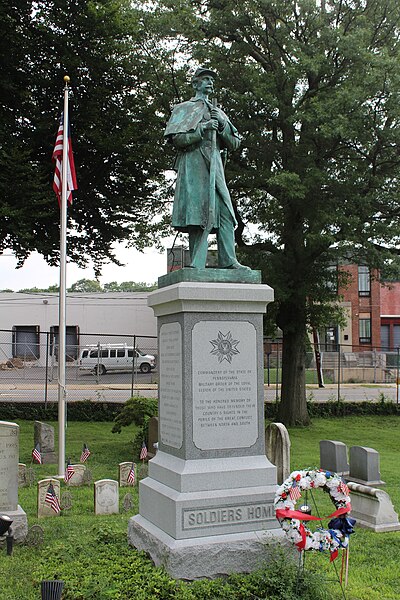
(146, 267)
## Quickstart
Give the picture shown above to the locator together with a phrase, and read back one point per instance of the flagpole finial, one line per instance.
(67, 79)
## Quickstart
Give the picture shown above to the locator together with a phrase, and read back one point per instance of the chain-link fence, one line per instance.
(113, 367)
(109, 367)
(337, 365)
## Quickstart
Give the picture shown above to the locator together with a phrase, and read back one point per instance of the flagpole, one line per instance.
(62, 392)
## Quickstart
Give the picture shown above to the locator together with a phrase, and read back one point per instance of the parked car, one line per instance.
(115, 357)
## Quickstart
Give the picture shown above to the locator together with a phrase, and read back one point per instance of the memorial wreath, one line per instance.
(292, 521)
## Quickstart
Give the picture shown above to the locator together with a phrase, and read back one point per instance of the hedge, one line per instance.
(76, 411)
(108, 411)
(340, 409)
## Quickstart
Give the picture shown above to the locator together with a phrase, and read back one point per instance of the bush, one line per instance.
(137, 410)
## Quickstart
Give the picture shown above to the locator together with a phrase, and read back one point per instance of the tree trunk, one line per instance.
(293, 405)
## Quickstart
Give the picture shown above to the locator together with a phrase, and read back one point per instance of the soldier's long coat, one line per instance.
(193, 164)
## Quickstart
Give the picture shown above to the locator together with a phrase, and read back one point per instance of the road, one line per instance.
(37, 375)
(120, 392)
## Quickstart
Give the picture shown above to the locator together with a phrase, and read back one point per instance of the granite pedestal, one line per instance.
(206, 507)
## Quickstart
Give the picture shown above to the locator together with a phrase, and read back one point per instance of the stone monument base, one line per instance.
(20, 523)
(204, 557)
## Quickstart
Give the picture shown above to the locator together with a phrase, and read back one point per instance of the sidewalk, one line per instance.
(347, 392)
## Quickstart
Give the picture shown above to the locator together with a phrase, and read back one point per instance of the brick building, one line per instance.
(363, 297)
(372, 314)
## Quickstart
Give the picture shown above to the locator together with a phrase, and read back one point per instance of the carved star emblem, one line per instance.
(224, 347)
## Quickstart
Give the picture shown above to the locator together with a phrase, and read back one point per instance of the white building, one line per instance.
(29, 323)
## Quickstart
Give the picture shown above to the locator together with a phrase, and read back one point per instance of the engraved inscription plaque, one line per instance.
(224, 379)
(170, 343)
(200, 518)
(9, 450)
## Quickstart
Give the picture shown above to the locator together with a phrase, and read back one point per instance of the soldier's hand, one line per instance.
(218, 115)
(211, 124)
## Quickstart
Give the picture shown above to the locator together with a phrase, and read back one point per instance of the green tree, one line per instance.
(129, 286)
(32, 290)
(118, 103)
(85, 285)
(52, 289)
(314, 89)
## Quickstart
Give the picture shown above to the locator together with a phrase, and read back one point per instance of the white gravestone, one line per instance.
(106, 497)
(44, 509)
(9, 456)
(78, 475)
(124, 470)
(277, 448)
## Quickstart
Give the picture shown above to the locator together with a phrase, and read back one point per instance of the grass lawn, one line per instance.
(271, 375)
(374, 572)
(92, 556)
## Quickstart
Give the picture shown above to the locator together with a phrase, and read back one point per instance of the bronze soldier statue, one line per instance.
(202, 204)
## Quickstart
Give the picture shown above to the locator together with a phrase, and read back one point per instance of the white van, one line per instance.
(115, 357)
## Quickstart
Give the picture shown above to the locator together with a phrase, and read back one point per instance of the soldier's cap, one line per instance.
(202, 72)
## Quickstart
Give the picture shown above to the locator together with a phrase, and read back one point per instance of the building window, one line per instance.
(26, 342)
(364, 281)
(365, 328)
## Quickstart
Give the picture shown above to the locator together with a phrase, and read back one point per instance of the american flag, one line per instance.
(294, 492)
(57, 157)
(143, 452)
(131, 475)
(343, 488)
(51, 498)
(68, 472)
(85, 453)
(36, 455)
